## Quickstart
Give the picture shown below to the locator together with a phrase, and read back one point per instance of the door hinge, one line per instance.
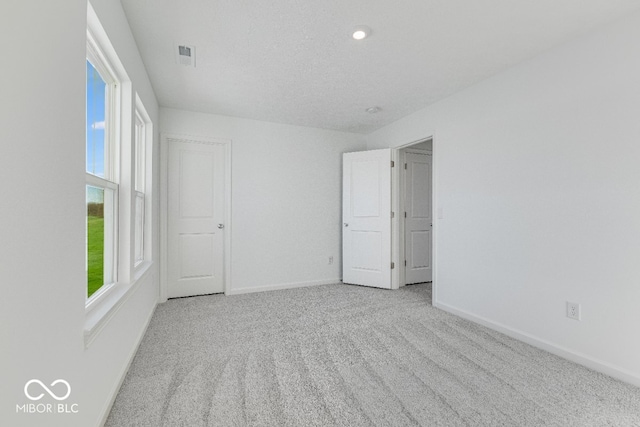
(393, 164)
(405, 165)
(405, 214)
(393, 265)
(405, 262)
(393, 214)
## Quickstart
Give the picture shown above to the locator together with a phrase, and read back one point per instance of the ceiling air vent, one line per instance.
(186, 55)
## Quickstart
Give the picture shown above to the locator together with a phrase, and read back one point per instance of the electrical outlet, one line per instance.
(330, 260)
(573, 310)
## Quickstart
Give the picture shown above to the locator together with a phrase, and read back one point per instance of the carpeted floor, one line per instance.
(351, 356)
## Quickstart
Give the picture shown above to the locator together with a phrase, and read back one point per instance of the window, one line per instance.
(140, 170)
(118, 182)
(101, 172)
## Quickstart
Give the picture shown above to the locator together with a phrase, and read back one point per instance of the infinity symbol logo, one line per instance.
(52, 394)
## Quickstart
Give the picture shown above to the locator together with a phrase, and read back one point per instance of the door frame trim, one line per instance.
(397, 201)
(164, 207)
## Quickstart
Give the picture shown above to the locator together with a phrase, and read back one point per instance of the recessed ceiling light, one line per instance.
(373, 110)
(361, 32)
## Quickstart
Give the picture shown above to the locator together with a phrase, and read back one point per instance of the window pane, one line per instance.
(100, 237)
(139, 161)
(96, 103)
(139, 242)
(95, 239)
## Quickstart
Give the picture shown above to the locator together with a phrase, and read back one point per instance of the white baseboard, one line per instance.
(282, 286)
(574, 356)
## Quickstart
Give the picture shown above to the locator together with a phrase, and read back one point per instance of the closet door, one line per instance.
(195, 218)
(418, 223)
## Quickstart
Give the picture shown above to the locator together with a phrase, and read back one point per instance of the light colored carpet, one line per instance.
(351, 356)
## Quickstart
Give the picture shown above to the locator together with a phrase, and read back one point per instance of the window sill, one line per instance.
(141, 269)
(102, 311)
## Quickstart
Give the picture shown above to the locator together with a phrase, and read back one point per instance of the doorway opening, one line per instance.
(413, 228)
(388, 230)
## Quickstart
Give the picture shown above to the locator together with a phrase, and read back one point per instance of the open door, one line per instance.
(366, 218)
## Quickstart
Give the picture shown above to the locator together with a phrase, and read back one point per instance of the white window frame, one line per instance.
(105, 304)
(110, 181)
(142, 179)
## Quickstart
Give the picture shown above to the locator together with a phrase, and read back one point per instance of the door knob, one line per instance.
(220, 226)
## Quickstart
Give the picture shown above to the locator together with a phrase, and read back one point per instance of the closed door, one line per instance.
(195, 218)
(418, 222)
(366, 216)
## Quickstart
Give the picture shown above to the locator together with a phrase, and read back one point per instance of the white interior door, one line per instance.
(418, 222)
(195, 218)
(366, 217)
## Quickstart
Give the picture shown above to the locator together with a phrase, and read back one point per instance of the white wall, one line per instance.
(536, 170)
(42, 227)
(286, 192)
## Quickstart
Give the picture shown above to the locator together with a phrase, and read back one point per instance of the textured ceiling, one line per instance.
(294, 62)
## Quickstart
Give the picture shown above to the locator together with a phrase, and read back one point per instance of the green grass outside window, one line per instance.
(95, 254)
